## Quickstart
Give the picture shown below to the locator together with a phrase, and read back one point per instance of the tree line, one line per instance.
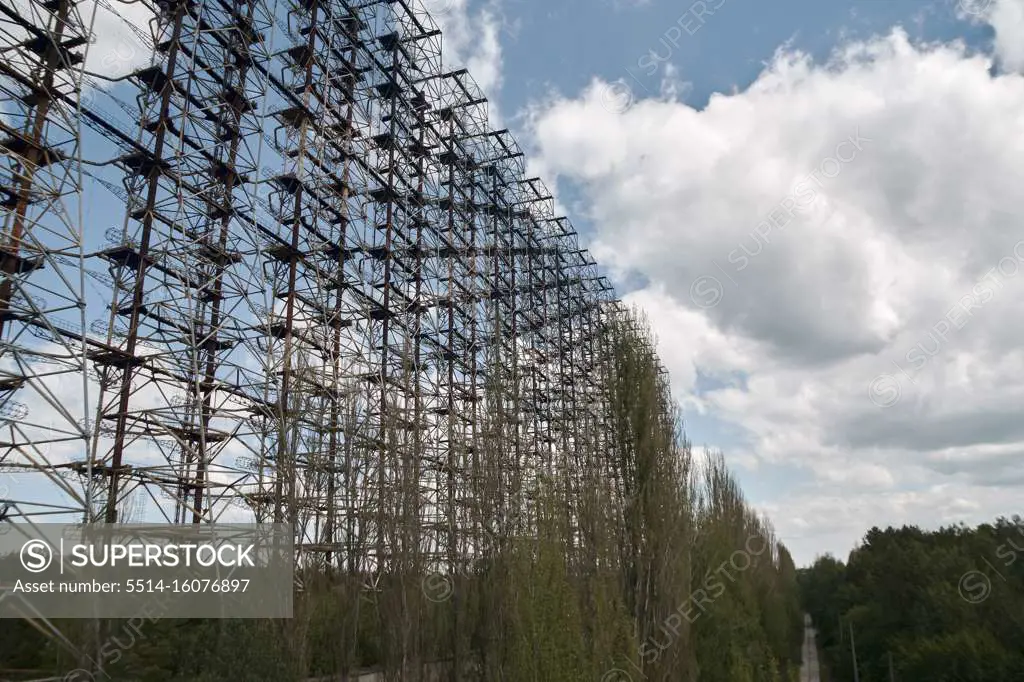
(909, 604)
(625, 558)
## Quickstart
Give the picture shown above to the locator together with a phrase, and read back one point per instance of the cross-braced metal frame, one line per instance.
(310, 284)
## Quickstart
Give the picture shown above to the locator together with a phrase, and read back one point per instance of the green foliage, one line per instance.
(947, 605)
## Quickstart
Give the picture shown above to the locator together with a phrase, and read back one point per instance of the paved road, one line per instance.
(809, 671)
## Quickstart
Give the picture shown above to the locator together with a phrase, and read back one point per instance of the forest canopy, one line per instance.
(945, 605)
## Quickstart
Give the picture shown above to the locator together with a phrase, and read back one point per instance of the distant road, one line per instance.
(809, 671)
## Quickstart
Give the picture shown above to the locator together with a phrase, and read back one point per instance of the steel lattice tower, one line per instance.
(328, 290)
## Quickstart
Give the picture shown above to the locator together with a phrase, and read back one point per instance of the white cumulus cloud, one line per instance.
(846, 237)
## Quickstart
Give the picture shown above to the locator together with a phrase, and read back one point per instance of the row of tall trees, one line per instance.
(943, 606)
(623, 558)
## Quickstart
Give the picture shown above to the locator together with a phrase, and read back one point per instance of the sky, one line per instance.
(817, 207)
(815, 204)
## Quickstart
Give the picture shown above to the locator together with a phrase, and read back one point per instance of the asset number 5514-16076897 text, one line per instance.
(192, 585)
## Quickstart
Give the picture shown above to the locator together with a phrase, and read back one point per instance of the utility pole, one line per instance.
(892, 675)
(853, 652)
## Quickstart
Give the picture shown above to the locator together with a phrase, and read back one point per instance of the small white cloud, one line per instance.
(1007, 19)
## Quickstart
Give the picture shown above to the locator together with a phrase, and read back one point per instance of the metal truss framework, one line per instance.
(331, 284)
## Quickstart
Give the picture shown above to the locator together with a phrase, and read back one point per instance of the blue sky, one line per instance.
(564, 44)
(792, 372)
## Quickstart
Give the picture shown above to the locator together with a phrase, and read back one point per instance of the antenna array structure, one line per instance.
(298, 278)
